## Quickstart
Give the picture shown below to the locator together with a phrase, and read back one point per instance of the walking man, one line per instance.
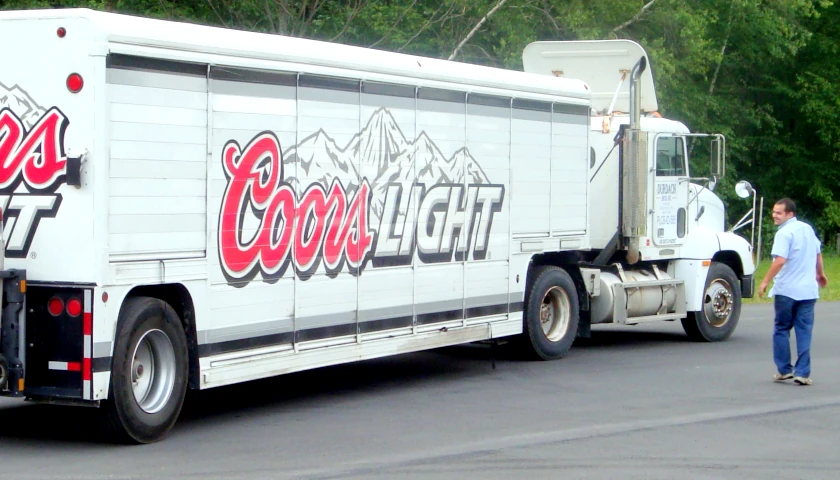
(798, 271)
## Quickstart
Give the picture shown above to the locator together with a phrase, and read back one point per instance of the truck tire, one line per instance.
(551, 314)
(149, 372)
(721, 307)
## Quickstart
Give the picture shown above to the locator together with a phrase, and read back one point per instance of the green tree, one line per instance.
(762, 72)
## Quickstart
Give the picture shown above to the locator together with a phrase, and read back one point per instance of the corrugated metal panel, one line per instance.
(158, 164)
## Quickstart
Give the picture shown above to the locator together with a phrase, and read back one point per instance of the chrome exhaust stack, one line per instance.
(636, 93)
(634, 171)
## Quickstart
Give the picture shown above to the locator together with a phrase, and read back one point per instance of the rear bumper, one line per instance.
(747, 286)
(49, 347)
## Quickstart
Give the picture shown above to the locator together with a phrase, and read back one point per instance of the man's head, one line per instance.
(783, 210)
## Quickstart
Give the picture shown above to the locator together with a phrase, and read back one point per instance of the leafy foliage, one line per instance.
(764, 73)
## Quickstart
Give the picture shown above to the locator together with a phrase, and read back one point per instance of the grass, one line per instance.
(830, 293)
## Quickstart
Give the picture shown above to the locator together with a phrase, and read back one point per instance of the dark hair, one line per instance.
(790, 205)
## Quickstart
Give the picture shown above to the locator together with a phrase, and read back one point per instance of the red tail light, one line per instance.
(74, 307)
(75, 82)
(55, 306)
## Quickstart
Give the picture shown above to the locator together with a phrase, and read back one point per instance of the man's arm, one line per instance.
(780, 252)
(822, 280)
(778, 262)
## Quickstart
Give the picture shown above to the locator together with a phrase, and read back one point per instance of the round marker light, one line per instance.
(55, 306)
(75, 83)
(61, 32)
(74, 307)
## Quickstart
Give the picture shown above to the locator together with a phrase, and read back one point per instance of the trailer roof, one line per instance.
(180, 40)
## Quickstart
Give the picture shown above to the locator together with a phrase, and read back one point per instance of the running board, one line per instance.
(654, 318)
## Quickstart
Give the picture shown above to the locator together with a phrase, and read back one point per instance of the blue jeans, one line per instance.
(799, 315)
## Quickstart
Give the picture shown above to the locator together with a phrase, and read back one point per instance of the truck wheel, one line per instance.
(551, 314)
(721, 307)
(149, 372)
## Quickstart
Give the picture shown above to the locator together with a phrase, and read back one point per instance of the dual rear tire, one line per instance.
(149, 372)
(551, 314)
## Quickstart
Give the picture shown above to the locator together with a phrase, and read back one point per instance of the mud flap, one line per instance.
(12, 324)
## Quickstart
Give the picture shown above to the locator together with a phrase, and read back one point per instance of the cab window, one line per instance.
(670, 157)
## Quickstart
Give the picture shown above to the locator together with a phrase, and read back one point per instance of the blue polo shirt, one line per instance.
(799, 245)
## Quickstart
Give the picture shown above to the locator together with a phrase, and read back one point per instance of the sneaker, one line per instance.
(802, 380)
(781, 377)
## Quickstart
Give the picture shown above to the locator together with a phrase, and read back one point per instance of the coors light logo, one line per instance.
(418, 201)
(32, 163)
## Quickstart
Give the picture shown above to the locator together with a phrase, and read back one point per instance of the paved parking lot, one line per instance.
(631, 403)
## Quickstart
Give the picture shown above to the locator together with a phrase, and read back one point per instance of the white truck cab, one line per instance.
(648, 213)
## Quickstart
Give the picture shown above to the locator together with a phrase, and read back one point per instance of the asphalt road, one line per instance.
(631, 403)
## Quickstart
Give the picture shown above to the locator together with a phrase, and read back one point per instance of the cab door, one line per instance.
(670, 202)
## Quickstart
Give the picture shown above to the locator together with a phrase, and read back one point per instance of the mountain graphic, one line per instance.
(21, 104)
(379, 147)
(318, 158)
(381, 143)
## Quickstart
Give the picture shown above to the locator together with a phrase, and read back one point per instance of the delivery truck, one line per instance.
(187, 207)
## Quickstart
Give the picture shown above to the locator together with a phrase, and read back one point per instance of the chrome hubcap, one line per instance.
(718, 302)
(153, 371)
(555, 313)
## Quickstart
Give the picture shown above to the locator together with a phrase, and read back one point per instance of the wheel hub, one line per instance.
(555, 314)
(718, 303)
(545, 313)
(153, 370)
(722, 303)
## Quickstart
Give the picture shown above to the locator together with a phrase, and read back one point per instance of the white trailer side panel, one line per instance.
(569, 160)
(158, 166)
(440, 163)
(531, 171)
(388, 149)
(488, 268)
(328, 124)
(246, 309)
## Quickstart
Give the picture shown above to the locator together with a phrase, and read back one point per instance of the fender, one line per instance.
(693, 272)
(704, 244)
(701, 245)
(735, 243)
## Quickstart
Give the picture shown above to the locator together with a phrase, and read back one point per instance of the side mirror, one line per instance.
(718, 154)
(743, 189)
(712, 183)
